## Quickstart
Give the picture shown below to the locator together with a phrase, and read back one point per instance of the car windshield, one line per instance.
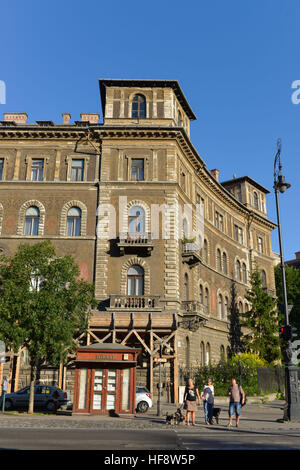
(141, 390)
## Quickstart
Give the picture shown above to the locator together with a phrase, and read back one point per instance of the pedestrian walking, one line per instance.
(207, 396)
(191, 395)
(4, 391)
(237, 399)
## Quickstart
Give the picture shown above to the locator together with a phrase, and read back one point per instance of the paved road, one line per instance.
(259, 429)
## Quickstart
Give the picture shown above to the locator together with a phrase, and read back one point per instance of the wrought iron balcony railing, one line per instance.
(134, 301)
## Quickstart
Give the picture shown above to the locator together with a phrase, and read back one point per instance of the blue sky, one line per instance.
(235, 62)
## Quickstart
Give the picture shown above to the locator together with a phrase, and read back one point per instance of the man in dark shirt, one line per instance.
(237, 399)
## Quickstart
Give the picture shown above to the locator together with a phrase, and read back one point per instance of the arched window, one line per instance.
(187, 352)
(139, 107)
(224, 263)
(263, 279)
(202, 354)
(244, 273)
(207, 354)
(205, 252)
(219, 264)
(201, 294)
(255, 200)
(240, 307)
(74, 222)
(226, 308)
(206, 302)
(32, 218)
(238, 270)
(220, 306)
(246, 308)
(222, 353)
(135, 280)
(186, 287)
(136, 220)
(180, 121)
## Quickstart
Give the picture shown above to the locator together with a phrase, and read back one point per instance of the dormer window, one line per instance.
(139, 107)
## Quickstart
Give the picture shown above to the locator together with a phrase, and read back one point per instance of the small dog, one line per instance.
(216, 414)
(179, 418)
(176, 418)
(170, 419)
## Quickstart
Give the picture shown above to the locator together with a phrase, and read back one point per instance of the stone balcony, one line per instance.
(134, 302)
(191, 253)
(139, 242)
(194, 314)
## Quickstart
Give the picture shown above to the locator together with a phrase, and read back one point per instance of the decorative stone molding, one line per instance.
(64, 215)
(131, 262)
(22, 214)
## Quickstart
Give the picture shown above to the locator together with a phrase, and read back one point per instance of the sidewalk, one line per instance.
(260, 417)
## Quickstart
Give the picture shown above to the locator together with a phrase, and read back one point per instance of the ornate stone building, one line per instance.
(168, 241)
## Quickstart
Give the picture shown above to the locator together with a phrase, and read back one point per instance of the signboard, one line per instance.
(160, 359)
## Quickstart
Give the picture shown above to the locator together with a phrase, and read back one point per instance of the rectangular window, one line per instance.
(37, 169)
(238, 234)
(77, 170)
(260, 244)
(137, 169)
(219, 221)
(126, 390)
(1, 168)
(82, 389)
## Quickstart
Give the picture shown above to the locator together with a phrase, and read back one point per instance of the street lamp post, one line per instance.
(292, 405)
(159, 382)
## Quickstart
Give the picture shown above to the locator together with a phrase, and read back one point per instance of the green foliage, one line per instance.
(223, 372)
(261, 321)
(43, 303)
(292, 276)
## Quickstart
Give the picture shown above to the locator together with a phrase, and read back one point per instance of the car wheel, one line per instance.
(50, 406)
(142, 407)
(8, 405)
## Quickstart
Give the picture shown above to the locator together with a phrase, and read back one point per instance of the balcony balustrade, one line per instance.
(135, 242)
(191, 253)
(141, 302)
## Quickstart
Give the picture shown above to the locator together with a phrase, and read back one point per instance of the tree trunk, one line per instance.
(33, 369)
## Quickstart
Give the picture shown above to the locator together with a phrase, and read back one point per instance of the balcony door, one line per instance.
(135, 280)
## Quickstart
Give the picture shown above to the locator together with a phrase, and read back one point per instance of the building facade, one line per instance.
(164, 241)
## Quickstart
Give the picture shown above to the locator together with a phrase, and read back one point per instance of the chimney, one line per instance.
(17, 118)
(66, 118)
(215, 174)
(92, 118)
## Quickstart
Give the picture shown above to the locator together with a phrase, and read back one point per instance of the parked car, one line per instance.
(43, 398)
(143, 400)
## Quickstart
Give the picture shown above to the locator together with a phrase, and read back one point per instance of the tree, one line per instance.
(292, 276)
(43, 305)
(235, 330)
(262, 321)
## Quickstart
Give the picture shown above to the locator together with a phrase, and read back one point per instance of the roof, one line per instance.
(249, 180)
(103, 83)
(108, 346)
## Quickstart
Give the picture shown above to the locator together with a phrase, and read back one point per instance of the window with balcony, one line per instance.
(135, 280)
(74, 222)
(77, 169)
(37, 169)
(139, 107)
(137, 169)
(32, 218)
(136, 220)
